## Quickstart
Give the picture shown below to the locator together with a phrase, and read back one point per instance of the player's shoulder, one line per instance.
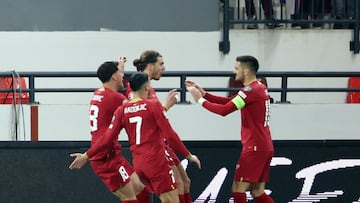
(255, 86)
(98, 96)
(152, 101)
(153, 104)
(113, 95)
(119, 109)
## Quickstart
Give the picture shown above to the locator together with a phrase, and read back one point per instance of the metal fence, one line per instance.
(306, 14)
(183, 75)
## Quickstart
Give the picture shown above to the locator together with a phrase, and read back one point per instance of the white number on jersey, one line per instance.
(171, 172)
(93, 115)
(267, 113)
(123, 173)
(138, 121)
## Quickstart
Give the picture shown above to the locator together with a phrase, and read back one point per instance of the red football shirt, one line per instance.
(176, 144)
(145, 122)
(255, 132)
(102, 107)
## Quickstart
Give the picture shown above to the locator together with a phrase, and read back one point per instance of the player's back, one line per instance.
(141, 121)
(102, 107)
(255, 116)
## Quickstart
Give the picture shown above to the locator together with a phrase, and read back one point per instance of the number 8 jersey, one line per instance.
(102, 106)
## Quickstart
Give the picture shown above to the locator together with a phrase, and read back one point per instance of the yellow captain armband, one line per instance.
(238, 101)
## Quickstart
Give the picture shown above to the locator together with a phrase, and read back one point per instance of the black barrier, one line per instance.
(182, 76)
(302, 171)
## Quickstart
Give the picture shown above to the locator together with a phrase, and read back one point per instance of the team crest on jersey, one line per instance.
(247, 88)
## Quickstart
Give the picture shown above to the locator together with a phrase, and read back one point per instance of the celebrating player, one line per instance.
(111, 167)
(144, 119)
(253, 166)
(152, 63)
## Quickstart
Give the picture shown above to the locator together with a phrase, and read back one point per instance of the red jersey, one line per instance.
(255, 132)
(145, 122)
(168, 140)
(102, 107)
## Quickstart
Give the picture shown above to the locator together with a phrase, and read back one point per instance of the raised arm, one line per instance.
(221, 109)
(216, 99)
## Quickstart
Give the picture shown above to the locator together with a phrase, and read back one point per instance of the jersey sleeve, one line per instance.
(216, 99)
(169, 133)
(220, 109)
(106, 142)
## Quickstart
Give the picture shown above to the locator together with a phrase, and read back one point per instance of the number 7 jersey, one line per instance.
(145, 121)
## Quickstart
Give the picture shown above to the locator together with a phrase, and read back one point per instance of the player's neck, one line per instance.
(110, 86)
(147, 71)
(135, 99)
(137, 96)
(249, 80)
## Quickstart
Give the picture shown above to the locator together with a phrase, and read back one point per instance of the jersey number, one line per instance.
(94, 112)
(267, 113)
(138, 121)
(123, 173)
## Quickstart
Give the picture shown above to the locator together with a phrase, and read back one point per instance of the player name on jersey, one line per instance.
(97, 98)
(136, 108)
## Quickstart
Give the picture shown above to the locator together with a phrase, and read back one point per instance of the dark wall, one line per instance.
(125, 15)
(38, 172)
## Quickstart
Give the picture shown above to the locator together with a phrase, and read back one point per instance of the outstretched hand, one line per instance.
(196, 94)
(121, 62)
(190, 83)
(79, 161)
(171, 99)
(122, 59)
(196, 160)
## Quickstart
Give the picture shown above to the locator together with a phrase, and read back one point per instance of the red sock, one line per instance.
(264, 198)
(130, 201)
(188, 198)
(182, 198)
(239, 197)
(143, 196)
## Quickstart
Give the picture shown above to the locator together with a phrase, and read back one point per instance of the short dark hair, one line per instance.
(250, 61)
(137, 80)
(149, 56)
(106, 70)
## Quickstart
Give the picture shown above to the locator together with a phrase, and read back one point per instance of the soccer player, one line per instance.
(152, 63)
(111, 167)
(144, 119)
(253, 166)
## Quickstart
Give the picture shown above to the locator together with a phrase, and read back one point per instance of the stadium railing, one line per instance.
(182, 76)
(229, 20)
